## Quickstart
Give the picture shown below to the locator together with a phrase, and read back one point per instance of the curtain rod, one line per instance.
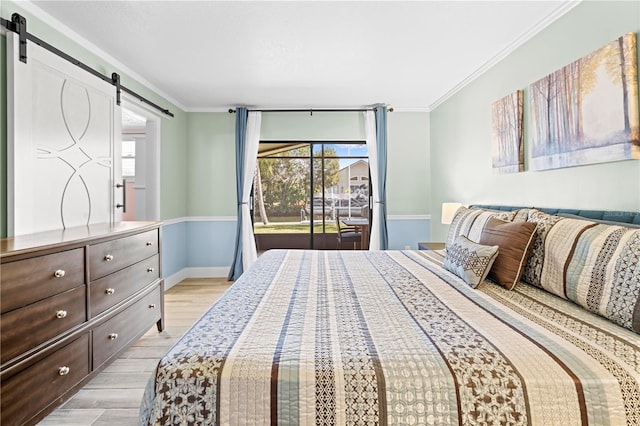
(18, 25)
(312, 110)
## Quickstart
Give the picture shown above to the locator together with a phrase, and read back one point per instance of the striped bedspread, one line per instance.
(389, 337)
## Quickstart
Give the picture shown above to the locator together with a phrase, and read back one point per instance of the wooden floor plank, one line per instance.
(127, 365)
(128, 380)
(118, 417)
(113, 396)
(72, 417)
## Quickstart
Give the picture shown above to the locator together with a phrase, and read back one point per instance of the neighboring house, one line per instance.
(352, 190)
(354, 179)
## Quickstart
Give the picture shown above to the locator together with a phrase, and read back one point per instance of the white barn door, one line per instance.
(64, 146)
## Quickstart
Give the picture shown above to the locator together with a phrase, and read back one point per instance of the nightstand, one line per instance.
(430, 246)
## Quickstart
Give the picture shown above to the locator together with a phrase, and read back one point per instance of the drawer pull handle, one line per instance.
(59, 273)
(108, 258)
(149, 243)
(152, 306)
(61, 314)
(110, 291)
(150, 269)
(112, 336)
(64, 370)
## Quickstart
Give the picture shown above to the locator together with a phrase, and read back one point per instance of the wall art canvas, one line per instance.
(587, 112)
(506, 122)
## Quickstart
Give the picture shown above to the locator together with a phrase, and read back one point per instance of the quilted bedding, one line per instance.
(390, 337)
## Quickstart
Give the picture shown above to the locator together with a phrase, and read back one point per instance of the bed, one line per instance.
(392, 337)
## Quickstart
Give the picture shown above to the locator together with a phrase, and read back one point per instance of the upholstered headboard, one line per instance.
(622, 217)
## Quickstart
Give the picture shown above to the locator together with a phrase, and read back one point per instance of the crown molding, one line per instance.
(63, 29)
(533, 31)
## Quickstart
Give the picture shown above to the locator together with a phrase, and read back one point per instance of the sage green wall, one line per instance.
(173, 148)
(319, 126)
(408, 175)
(211, 155)
(461, 126)
(211, 159)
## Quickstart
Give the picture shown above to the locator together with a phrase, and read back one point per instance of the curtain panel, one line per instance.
(376, 137)
(247, 139)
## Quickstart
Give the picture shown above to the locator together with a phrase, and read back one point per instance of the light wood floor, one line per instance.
(113, 397)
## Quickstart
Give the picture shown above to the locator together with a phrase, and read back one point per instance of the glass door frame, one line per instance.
(292, 144)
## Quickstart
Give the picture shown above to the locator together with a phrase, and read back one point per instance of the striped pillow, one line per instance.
(597, 266)
(603, 275)
(470, 223)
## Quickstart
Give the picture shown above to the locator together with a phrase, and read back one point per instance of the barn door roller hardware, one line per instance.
(115, 80)
(18, 25)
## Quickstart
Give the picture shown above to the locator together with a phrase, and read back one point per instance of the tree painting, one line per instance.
(506, 120)
(587, 112)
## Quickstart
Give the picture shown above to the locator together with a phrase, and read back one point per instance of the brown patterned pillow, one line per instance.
(470, 261)
(515, 240)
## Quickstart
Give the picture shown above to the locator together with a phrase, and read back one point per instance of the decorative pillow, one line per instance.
(515, 240)
(470, 222)
(470, 261)
(595, 265)
(603, 274)
(544, 222)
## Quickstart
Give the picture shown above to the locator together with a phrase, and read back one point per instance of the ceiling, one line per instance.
(205, 55)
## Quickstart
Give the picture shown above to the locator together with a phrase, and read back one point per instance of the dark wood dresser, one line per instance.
(71, 301)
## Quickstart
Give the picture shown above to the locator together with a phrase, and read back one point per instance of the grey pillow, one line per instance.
(470, 261)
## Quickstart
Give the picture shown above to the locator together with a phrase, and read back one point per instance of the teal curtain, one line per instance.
(241, 132)
(381, 144)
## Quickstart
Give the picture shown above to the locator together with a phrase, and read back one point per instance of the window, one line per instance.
(300, 187)
(128, 158)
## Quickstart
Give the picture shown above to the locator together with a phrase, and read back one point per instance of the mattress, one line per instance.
(390, 337)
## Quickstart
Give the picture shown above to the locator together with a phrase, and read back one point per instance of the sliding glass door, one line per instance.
(301, 189)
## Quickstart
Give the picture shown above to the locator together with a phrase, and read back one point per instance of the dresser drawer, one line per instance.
(120, 330)
(111, 256)
(112, 289)
(28, 392)
(25, 328)
(27, 281)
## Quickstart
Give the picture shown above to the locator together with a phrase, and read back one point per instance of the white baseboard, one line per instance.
(211, 272)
